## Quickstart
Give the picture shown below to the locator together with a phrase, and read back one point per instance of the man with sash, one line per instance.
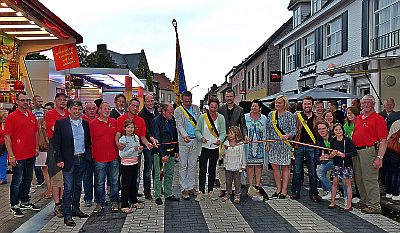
(234, 116)
(306, 122)
(186, 117)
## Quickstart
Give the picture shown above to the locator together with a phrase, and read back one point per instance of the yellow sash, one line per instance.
(212, 129)
(306, 127)
(189, 118)
(275, 124)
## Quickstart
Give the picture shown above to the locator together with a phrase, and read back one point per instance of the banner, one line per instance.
(179, 81)
(66, 57)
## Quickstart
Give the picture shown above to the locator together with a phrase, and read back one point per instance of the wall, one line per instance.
(390, 67)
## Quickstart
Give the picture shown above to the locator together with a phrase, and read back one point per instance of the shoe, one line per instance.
(58, 211)
(88, 204)
(221, 193)
(185, 195)
(295, 196)
(80, 214)
(17, 212)
(147, 196)
(389, 196)
(3, 182)
(328, 196)
(69, 222)
(281, 196)
(331, 207)
(32, 190)
(29, 206)
(127, 210)
(114, 206)
(212, 196)
(252, 191)
(344, 209)
(192, 192)
(345, 202)
(199, 197)
(159, 201)
(360, 205)
(237, 199)
(98, 208)
(39, 185)
(316, 199)
(370, 210)
(172, 198)
(275, 195)
(140, 195)
(9, 172)
(355, 200)
(396, 198)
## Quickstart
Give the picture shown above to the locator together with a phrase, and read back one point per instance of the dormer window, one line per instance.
(317, 5)
(296, 17)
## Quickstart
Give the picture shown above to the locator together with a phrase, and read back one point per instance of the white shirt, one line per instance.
(234, 158)
(209, 137)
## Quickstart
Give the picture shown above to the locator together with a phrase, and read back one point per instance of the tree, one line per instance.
(100, 60)
(83, 53)
(36, 56)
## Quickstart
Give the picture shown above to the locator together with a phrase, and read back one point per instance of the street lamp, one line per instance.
(194, 87)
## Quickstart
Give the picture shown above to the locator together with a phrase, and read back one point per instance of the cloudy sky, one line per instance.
(214, 35)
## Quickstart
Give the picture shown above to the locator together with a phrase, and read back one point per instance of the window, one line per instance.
(290, 58)
(387, 19)
(296, 17)
(252, 77)
(309, 49)
(169, 98)
(258, 75)
(242, 87)
(162, 97)
(248, 80)
(334, 37)
(317, 5)
(262, 73)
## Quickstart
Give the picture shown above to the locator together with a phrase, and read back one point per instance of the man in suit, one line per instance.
(234, 116)
(72, 146)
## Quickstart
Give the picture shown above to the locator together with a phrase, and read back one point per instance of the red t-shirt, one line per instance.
(2, 134)
(87, 118)
(102, 135)
(140, 125)
(51, 117)
(370, 130)
(22, 130)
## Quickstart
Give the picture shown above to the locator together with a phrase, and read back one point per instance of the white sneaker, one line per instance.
(355, 200)
(200, 197)
(338, 196)
(396, 198)
(389, 196)
(213, 196)
(252, 191)
(327, 196)
(345, 202)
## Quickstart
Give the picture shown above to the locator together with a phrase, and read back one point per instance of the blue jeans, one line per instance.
(326, 183)
(39, 175)
(3, 167)
(73, 187)
(309, 153)
(148, 165)
(88, 180)
(100, 172)
(392, 183)
(21, 181)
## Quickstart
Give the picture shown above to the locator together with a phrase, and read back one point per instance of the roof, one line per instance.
(164, 82)
(293, 3)
(131, 60)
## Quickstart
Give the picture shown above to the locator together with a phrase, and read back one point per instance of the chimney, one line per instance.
(163, 74)
(101, 47)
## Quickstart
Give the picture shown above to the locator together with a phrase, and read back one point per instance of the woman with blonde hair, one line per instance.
(281, 126)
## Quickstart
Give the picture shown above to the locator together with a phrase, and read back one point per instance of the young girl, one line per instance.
(234, 162)
(129, 160)
(344, 150)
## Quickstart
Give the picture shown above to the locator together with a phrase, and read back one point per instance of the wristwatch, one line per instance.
(379, 157)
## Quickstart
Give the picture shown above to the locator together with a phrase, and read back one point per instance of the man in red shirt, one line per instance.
(51, 116)
(105, 155)
(21, 142)
(140, 128)
(369, 131)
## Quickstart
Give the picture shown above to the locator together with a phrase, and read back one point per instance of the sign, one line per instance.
(308, 71)
(242, 91)
(66, 57)
(275, 76)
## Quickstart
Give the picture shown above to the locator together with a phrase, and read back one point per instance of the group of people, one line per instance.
(102, 150)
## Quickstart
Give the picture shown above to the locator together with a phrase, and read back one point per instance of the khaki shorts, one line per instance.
(57, 180)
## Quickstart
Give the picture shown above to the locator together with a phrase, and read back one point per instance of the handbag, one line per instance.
(393, 142)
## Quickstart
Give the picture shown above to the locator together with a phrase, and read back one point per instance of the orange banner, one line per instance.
(66, 57)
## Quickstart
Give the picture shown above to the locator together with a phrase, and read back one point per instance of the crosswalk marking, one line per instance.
(380, 221)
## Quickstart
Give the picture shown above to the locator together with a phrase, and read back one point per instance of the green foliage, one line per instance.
(83, 53)
(143, 72)
(36, 56)
(100, 60)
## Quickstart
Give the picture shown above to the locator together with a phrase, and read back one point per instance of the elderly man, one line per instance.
(186, 121)
(369, 137)
(72, 146)
(388, 113)
(148, 113)
(21, 142)
(119, 110)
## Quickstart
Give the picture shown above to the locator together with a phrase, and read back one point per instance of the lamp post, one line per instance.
(194, 87)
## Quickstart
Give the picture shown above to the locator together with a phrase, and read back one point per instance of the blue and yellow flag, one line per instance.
(179, 81)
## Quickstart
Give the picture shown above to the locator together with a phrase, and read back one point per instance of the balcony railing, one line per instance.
(387, 41)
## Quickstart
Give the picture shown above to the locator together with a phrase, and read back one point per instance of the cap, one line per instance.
(60, 94)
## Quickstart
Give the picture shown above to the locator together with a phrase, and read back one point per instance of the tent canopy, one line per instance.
(317, 93)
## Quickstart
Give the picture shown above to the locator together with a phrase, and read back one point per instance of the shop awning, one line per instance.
(323, 94)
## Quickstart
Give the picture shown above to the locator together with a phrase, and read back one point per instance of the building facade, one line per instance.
(165, 88)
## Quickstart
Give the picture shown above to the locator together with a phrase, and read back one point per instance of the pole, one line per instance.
(373, 88)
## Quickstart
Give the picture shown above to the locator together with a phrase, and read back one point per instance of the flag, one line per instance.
(179, 81)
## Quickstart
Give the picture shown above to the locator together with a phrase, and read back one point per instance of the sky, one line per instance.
(214, 35)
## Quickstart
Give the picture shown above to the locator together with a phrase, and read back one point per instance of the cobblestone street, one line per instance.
(205, 216)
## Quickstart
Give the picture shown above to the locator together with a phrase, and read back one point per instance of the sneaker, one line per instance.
(159, 201)
(88, 204)
(17, 212)
(252, 191)
(396, 198)
(199, 197)
(32, 190)
(192, 192)
(98, 208)
(213, 196)
(345, 202)
(28, 206)
(58, 211)
(389, 196)
(185, 195)
(328, 196)
(370, 210)
(355, 200)
(114, 206)
(127, 210)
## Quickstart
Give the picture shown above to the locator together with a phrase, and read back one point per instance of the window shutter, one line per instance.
(319, 48)
(365, 28)
(283, 58)
(345, 36)
(297, 49)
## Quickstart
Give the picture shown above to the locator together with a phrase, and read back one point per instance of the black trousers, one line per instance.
(129, 187)
(211, 156)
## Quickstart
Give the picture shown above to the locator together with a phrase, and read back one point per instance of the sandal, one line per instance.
(225, 199)
(237, 199)
(3, 182)
(47, 195)
(127, 210)
(138, 205)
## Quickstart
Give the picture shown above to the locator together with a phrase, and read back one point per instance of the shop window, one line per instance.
(334, 37)
(309, 49)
